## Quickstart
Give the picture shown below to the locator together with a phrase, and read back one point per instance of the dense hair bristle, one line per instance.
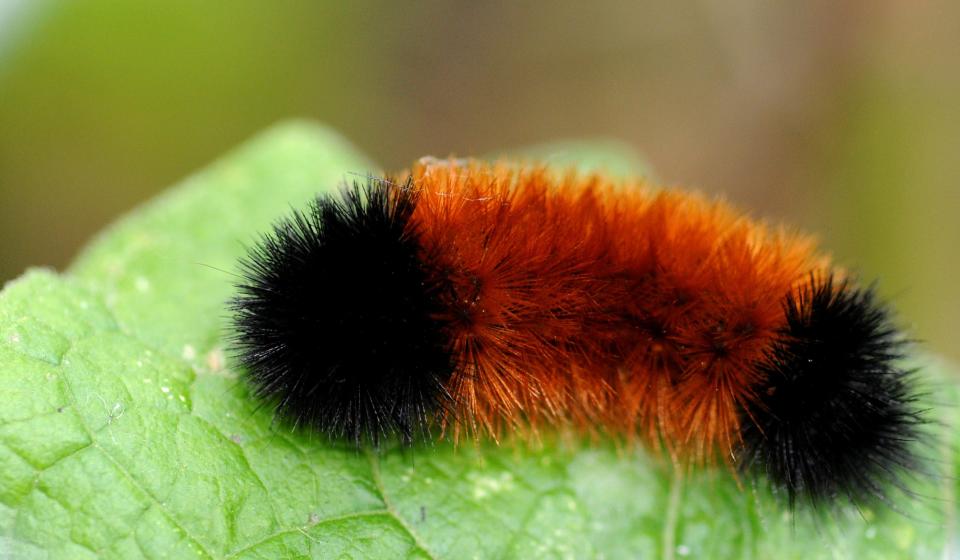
(578, 303)
(835, 416)
(492, 300)
(335, 321)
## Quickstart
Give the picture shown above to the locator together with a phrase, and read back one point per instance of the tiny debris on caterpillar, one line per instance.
(480, 299)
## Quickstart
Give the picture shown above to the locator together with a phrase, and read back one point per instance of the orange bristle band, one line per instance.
(563, 317)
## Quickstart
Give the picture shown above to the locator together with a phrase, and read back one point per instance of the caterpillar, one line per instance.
(486, 299)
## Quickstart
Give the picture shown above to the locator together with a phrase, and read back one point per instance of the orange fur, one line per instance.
(579, 302)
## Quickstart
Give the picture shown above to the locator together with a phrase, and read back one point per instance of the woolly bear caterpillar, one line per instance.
(484, 299)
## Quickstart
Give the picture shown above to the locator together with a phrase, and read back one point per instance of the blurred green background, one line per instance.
(841, 117)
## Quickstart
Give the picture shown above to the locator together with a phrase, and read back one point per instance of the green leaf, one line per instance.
(125, 432)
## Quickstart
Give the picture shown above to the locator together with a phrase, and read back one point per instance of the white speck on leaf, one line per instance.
(115, 413)
(142, 284)
(165, 389)
(484, 486)
(215, 359)
(189, 352)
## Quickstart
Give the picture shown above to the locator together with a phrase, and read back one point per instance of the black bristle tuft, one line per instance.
(336, 319)
(837, 416)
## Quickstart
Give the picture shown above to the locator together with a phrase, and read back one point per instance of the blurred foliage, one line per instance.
(838, 117)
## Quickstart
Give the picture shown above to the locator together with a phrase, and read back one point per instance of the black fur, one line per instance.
(836, 417)
(336, 319)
